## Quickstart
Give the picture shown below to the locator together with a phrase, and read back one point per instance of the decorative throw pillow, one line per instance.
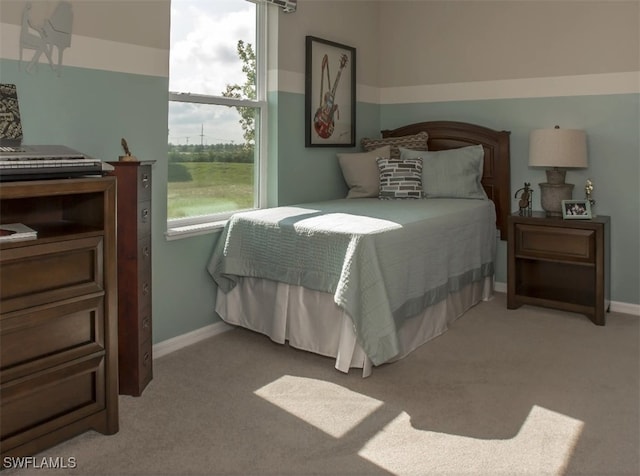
(400, 178)
(360, 171)
(416, 142)
(453, 173)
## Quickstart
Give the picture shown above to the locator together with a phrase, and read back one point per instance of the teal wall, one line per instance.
(92, 109)
(612, 124)
(311, 174)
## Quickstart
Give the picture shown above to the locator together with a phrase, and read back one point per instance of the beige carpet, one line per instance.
(525, 392)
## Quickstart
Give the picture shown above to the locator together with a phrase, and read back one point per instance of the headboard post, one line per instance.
(496, 177)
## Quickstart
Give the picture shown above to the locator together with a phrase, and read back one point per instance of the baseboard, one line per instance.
(500, 287)
(625, 308)
(176, 343)
(622, 307)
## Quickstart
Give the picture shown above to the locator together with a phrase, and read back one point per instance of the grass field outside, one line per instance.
(215, 187)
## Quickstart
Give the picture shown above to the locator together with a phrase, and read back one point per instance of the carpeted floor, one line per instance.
(525, 392)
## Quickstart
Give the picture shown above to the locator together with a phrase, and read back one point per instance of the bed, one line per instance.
(362, 280)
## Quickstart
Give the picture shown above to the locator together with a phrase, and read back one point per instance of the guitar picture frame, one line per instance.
(330, 94)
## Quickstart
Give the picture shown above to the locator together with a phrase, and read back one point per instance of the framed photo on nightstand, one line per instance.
(576, 210)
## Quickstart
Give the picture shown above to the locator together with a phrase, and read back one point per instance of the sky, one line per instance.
(204, 37)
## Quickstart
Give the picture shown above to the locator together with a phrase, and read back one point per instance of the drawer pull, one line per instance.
(145, 214)
(146, 359)
(145, 288)
(145, 180)
(146, 322)
(146, 251)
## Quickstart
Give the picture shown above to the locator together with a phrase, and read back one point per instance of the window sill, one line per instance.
(188, 231)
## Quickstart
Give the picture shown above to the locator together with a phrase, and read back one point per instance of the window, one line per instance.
(217, 112)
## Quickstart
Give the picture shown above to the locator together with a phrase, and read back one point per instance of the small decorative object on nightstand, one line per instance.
(562, 264)
(588, 192)
(526, 197)
(576, 210)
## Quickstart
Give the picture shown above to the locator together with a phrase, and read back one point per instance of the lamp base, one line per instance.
(555, 176)
(551, 196)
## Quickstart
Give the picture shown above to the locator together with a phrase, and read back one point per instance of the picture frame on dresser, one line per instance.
(576, 209)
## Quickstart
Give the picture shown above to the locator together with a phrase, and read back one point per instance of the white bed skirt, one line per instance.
(311, 321)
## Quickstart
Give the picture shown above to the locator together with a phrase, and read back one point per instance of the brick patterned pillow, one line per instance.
(415, 142)
(400, 178)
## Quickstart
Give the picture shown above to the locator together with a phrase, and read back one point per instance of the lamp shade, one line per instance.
(558, 148)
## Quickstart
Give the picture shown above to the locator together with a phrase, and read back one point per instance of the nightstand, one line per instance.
(557, 263)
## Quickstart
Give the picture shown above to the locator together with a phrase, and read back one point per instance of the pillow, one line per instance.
(416, 142)
(453, 173)
(400, 178)
(360, 171)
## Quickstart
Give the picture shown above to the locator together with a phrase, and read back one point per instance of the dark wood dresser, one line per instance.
(563, 264)
(134, 275)
(58, 311)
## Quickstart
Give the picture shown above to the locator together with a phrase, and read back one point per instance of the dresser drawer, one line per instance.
(40, 274)
(39, 338)
(144, 182)
(35, 405)
(567, 244)
(145, 362)
(144, 324)
(144, 252)
(144, 289)
(144, 218)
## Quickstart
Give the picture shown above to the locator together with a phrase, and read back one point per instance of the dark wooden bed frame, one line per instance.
(496, 177)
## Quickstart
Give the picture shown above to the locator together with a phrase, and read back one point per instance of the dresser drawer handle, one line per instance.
(145, 180)
(145, 288)
(145, 214)
(146, 251)
(146, 323)
(146, 359)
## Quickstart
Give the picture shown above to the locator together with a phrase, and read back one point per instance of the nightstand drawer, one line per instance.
(567, 244)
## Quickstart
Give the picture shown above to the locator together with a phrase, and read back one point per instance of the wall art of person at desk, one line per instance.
(55, 32)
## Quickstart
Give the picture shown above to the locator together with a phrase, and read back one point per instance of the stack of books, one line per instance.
(17, 232)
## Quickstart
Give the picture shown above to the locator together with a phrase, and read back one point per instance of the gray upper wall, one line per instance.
(140, 22)
(516, 39)
(407, 43)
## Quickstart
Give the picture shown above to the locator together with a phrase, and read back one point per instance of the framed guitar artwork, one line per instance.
(330, 94)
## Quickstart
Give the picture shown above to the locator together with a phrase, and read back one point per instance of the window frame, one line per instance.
(198, 225)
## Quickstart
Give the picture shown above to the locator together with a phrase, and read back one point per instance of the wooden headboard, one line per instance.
(496, 177)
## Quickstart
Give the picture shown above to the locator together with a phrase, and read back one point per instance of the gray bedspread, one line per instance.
(383, 260)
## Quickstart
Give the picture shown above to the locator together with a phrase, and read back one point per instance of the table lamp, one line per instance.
(559, 149)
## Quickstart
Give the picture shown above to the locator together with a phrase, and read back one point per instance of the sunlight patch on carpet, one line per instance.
(327, 406)
(543, 445)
